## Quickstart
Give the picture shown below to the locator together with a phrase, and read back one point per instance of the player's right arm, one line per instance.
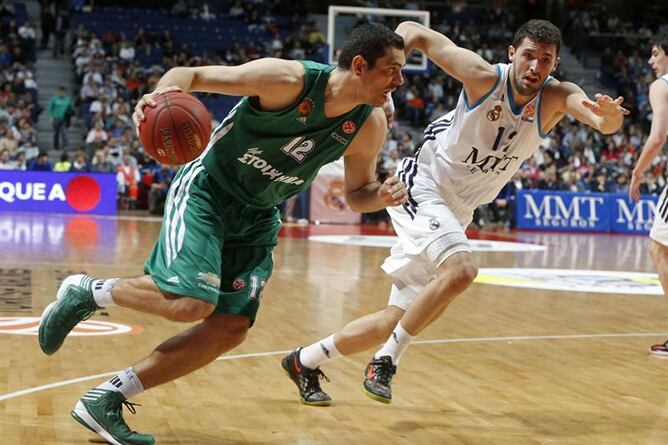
(658, 99)
(477, 75)
(278, 83)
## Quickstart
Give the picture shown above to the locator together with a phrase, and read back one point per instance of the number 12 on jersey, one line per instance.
(298, 148)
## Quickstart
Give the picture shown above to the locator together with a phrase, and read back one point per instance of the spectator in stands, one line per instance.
(550, 180)
(600, 182)
(162, 179)
(6, 162)
(101, 164)
(47, 22)
(60, 28)
(8, 141)
(128, 178)
(64, 164)
(40, 163)
(96, 137)
(80, 163)
(59, 106)
(20, 161)
(28, 40)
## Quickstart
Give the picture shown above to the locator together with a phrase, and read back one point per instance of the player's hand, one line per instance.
(149, 100)
(634, 187)
(605, 106)
(392, 192)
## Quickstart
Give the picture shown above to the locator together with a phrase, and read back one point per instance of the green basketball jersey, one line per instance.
(264, 157)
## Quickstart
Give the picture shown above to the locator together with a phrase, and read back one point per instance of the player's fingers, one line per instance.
(624, 111)
(619, 100)
(391, 180)
(589, 105)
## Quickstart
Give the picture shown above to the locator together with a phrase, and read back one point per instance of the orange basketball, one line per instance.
(177, 129)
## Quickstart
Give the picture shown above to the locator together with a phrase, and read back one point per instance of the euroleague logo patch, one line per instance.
(348, 127)
(238, 284)
(88, 328)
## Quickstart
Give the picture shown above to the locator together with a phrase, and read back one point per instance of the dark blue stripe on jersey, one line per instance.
(410, 176)
(663, 205)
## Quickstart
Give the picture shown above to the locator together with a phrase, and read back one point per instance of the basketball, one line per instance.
(177, 129)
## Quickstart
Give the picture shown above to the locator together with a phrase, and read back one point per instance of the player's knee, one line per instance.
(659, 253)
(391, 316)
(188, 309)
(228, 330)
(459, 273)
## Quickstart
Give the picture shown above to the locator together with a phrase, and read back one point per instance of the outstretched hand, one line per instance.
(392, 192)
(634, 187)
(605, 106)
(149, 100)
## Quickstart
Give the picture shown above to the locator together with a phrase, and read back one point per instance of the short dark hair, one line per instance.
(660, 41)
(369, 40)
(540, 31)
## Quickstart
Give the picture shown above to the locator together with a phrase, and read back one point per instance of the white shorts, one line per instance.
(429, 233)
(659, 232)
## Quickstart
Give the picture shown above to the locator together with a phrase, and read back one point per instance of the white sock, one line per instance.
(317, 353)
(126, 382)
(396, 344)
(102, 292)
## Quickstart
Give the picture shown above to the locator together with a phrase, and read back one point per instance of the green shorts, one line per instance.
(212, 246)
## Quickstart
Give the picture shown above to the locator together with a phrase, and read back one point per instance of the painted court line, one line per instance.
(34, 389)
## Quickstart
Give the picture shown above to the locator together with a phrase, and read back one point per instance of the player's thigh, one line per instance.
(186, 258)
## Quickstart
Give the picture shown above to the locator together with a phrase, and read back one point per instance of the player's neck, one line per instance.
(342, 93)
(520, 99)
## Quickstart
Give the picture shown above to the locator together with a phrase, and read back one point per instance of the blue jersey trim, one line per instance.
(482, 99)
(539, 121)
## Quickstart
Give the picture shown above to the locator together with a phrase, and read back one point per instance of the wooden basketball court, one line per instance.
(503, 366)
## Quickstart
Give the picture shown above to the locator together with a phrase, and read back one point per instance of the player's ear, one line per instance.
(511, 52)
(556, 65)
(358, 65)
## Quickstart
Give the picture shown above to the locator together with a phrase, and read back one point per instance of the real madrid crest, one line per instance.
(495, 113)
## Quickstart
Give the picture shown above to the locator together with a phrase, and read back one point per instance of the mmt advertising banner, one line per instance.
(34, 191)
(590, 212)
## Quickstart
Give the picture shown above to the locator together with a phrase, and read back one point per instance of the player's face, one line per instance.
(384, 78)
(659, 61)
(532, 64)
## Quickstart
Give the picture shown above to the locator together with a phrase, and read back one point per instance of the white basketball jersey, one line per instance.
(474, 150)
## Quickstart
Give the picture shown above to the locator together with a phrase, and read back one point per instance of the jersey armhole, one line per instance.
(470, 107)
(539, 120)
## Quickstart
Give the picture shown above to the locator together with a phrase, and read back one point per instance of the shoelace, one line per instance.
(384, 372)
(313, 381)
(130, 406)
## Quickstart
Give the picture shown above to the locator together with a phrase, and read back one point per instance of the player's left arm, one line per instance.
(603, 114)
(658, 100)
(363, 192)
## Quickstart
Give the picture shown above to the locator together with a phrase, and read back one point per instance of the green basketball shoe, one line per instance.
(74, 303)
(101, 411)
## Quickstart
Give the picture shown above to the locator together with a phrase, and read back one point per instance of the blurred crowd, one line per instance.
(113, 69)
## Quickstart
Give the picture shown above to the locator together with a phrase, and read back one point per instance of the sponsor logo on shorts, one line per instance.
(238, 284)
(571, 280)
(174, 280)
(88, 328)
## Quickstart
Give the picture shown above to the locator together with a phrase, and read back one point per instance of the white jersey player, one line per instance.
(658, 98)
(503, 113)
